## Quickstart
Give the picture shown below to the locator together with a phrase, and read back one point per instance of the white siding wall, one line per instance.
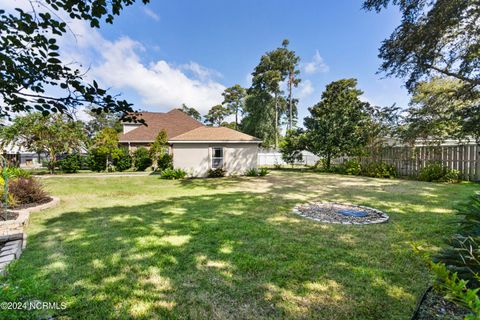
(238, 158)
(195, 158)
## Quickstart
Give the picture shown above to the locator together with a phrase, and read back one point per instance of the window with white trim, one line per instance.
(217, 157)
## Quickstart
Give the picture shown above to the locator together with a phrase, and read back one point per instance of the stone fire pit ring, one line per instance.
(340, 213)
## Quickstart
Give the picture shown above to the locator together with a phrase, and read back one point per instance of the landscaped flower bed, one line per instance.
(23, 195)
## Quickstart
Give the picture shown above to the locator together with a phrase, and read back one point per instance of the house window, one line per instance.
(217, 158)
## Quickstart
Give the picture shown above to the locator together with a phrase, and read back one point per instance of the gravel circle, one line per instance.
(331, 212)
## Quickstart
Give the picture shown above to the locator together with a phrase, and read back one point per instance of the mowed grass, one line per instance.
(230, 248)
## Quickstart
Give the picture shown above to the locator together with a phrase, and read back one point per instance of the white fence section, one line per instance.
(271, 157)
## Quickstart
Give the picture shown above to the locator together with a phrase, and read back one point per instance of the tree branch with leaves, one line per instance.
(31, 64)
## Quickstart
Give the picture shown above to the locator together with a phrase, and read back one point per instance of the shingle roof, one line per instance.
(175, 122)
(214, 134)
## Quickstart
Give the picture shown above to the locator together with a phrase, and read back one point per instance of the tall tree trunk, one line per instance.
(290, 80)
(276, 121)
(53, 159)
(236, 119)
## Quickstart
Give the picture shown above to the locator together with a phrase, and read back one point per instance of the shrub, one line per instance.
(173, 174)
(431, 172)
(456, 290)
(263, 172)
(451, 176)
(379, 170)
(141, 159)
(457, 268)
(320, 165)
(124, 161)
(252, 172)
(165, 161)
(14, 172)
(352, 167)
(11, 201)
(71, 163)
(27, 190)
(216, 173)
(339, 169)
(277, 166)
(463, 254)
(436, 172)
(291, 147)
(96, 160)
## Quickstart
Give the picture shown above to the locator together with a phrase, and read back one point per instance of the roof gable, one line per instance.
(214, 134)
(174, 122)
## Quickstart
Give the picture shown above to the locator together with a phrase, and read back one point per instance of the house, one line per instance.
(17, 156)
(196, 148)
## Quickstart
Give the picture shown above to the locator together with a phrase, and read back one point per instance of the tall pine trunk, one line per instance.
(290, 102)
(236, 119)
(276, 121)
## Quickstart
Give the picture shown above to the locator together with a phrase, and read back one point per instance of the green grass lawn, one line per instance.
(146, 248)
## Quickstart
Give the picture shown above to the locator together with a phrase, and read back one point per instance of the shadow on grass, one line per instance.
(211, 183)
(233, 255)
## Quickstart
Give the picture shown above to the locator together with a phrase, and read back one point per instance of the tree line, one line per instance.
(435, 49)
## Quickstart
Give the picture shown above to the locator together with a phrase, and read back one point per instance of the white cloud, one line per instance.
(160, 85)
(152, 14)
(316, 65)
(306, 88)
(118, 65)
(200, 72)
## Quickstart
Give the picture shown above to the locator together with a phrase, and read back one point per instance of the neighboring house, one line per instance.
(18, 157)
(195, 148)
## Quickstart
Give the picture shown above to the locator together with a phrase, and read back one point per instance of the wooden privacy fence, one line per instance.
(409, 160)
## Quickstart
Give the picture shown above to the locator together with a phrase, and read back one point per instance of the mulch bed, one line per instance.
(12, 215)
(435, 307)
(33, 204)
(338, 213)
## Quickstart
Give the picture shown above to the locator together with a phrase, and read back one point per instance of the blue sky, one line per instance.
(171, 52)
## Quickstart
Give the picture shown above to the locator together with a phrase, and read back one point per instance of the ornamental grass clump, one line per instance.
(173, 174)
(27, 191)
